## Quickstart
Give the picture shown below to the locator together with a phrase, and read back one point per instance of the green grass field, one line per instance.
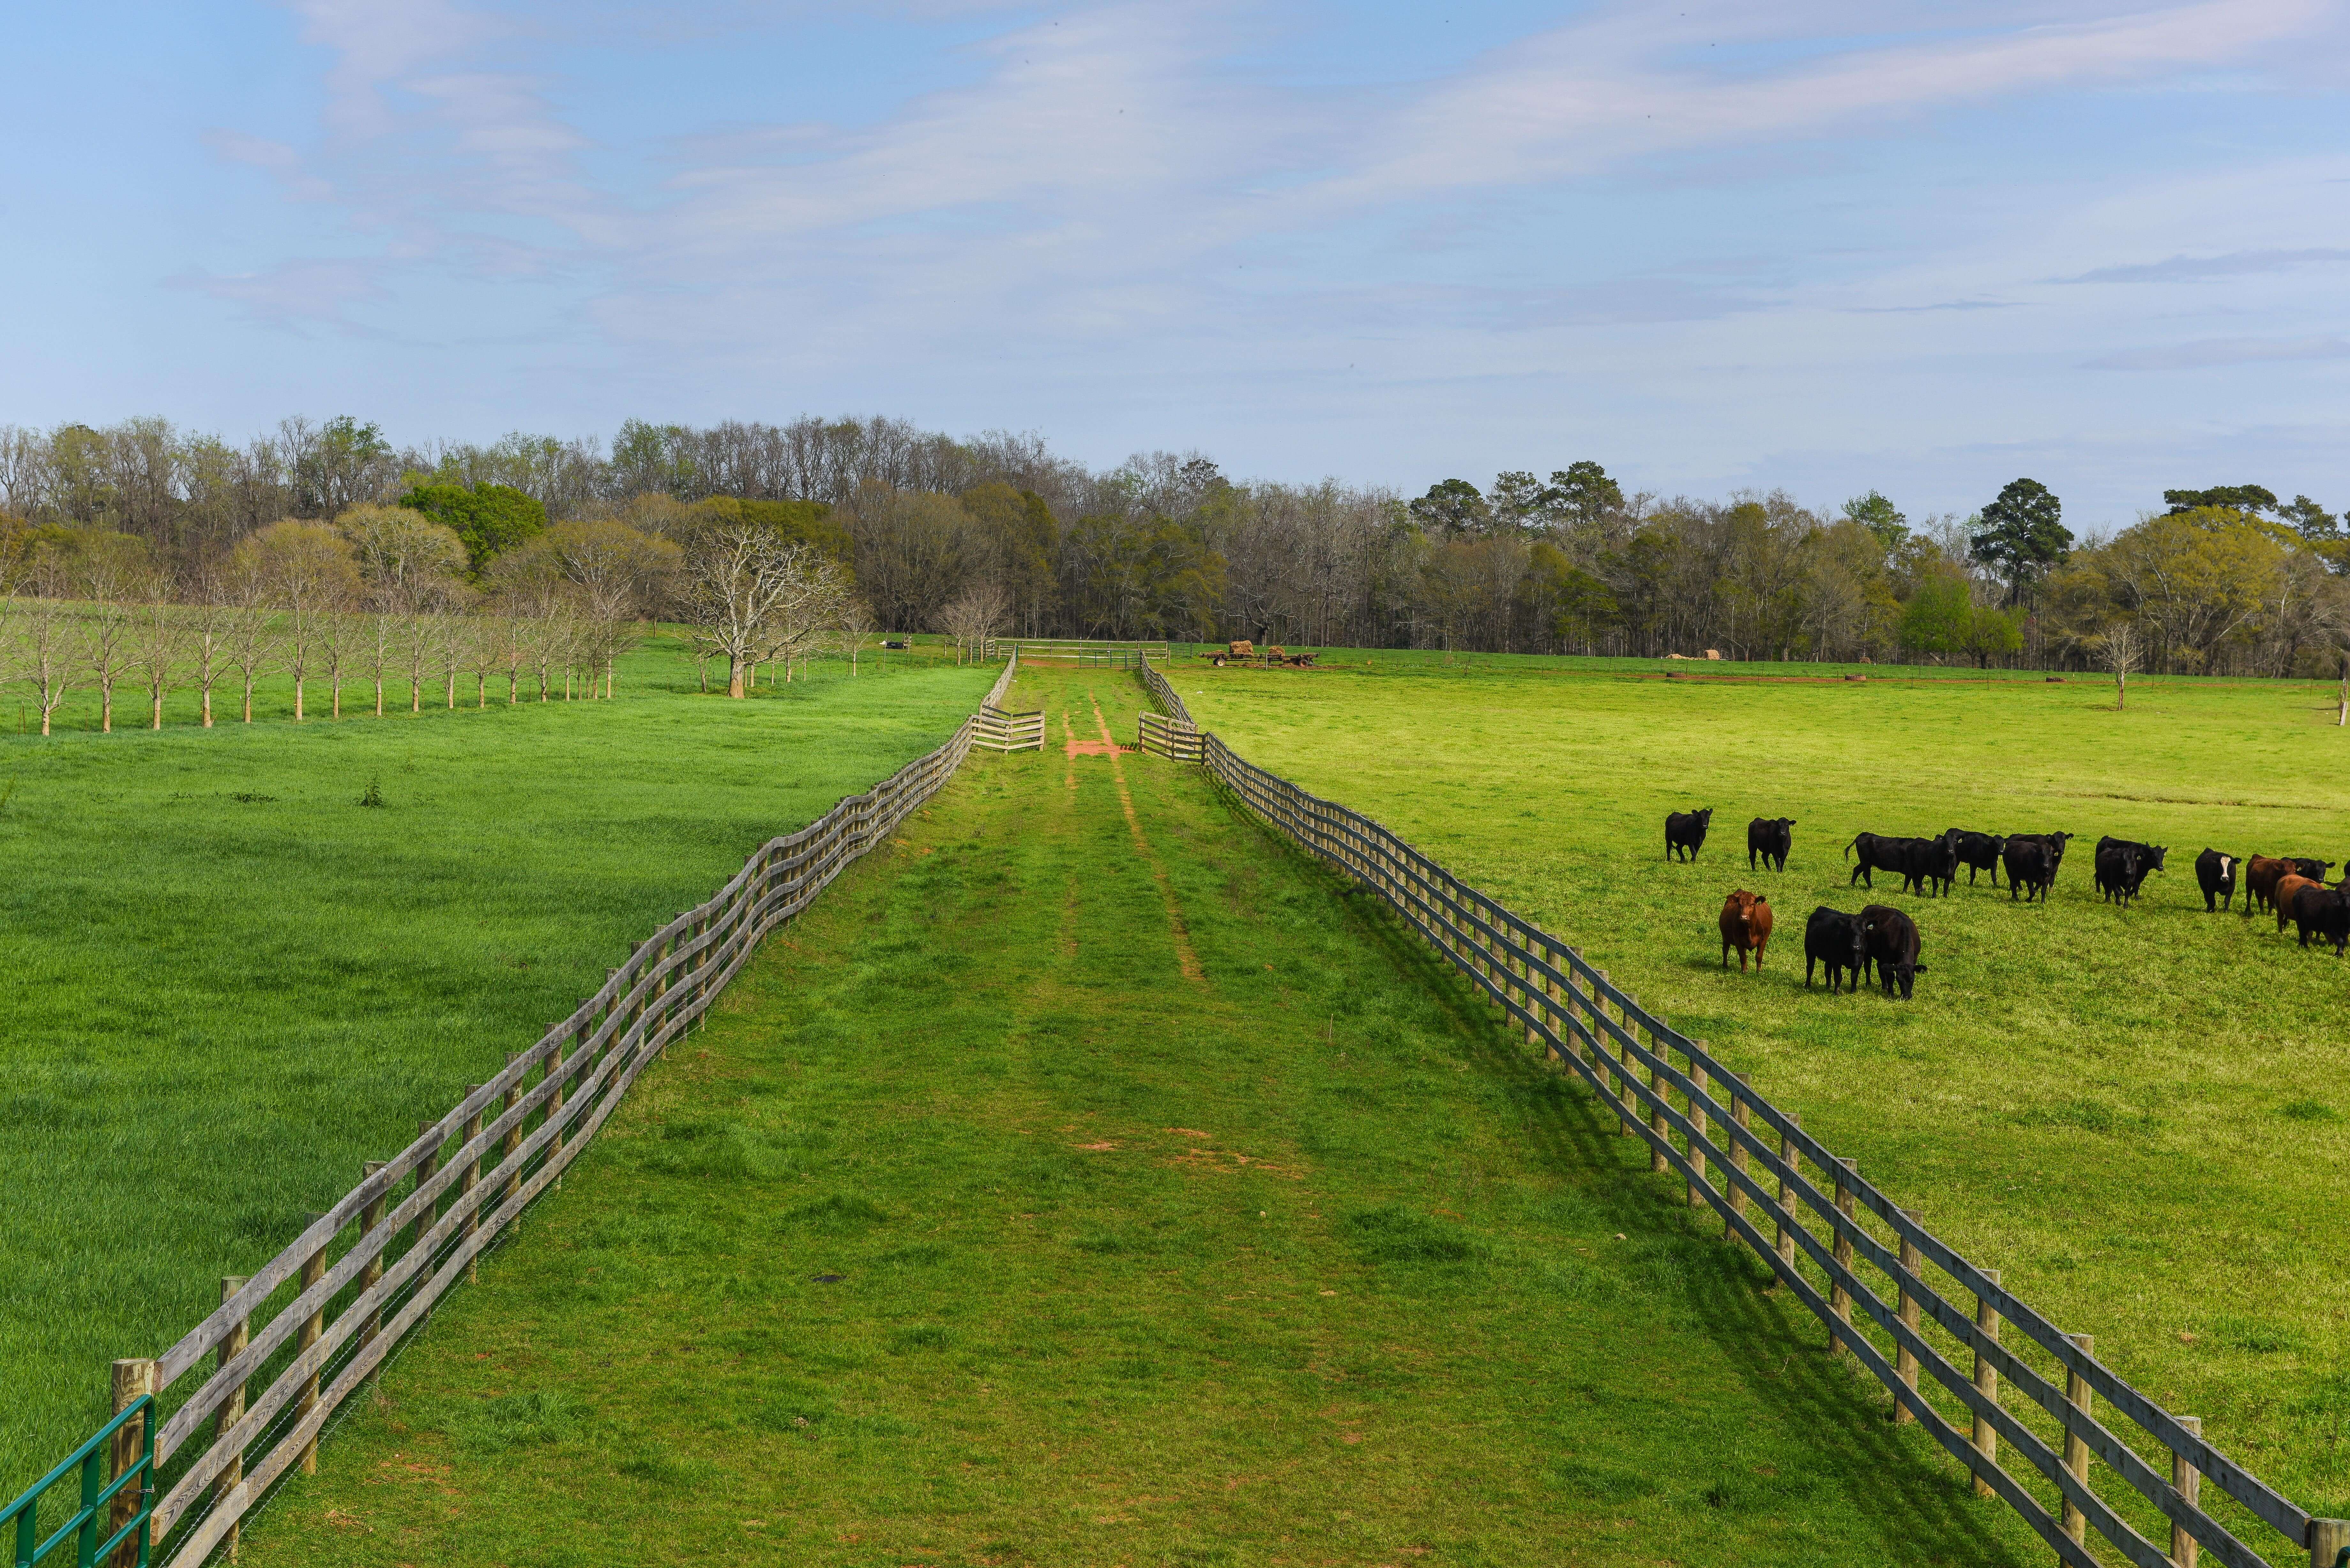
(2141, 1115)
(229, 983)
(1069, 1188)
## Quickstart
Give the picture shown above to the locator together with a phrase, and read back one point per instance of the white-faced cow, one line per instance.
(1685, 832)
(2216, 874)
(1769, 838)
(1840, 941)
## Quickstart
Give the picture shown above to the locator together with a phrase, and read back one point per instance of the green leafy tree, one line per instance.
(2312, 521)
(489, 518)
(1939, 617)
(1880, 517)
(1453, 509)
(2022, 536)
(1584, 493)
(1992, 634)
(2250, 499)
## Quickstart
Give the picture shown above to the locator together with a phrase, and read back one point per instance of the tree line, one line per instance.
(768, 537)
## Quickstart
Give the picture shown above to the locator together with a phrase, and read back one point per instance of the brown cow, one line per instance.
(2261, 874)
(2287, 886)
(1746, 926)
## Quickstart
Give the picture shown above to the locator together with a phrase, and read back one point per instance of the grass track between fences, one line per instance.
(2138, 1115)
(972, 1231)
(235, 984)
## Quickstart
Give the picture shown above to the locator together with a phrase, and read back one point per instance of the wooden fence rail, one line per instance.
(1920, 1309)
(1089, 653)
(292, 1342)
(1174, 739)
(1000, 731)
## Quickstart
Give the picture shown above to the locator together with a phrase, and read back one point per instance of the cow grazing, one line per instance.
(2322, 911)
(2287, 887)
(1892, 947)
(1685, 832)
(1976, 852)
(1770, 838)
(2261, 875)
(2031, 869)
(2216, 874)
(1746, 926)
(1840, 941)
(2120, 868)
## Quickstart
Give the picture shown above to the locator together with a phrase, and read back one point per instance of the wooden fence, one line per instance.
(292, 1342)
(1000, 731)
(1088, 653)
(1918, 1311)
(1174, 739)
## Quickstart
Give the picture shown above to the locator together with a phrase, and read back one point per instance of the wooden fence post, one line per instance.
(2077, 1447)
(1614, 1059)
(1737, 1157)
(1786, 1238)
(554, 1069)
(2188, 1482)
(1987, 1384)
(2328, 1539)
(314, 1268)
(1840, 1248)
(131, 1378)
(467, 1181)
(426, 1169)
(1698, 1125)
(1905, 1361)
(371, 1271)
(232, 1410)
(1656, 1115)
(510, 1144)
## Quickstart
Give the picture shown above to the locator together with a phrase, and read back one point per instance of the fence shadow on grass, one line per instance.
(1918, 1512)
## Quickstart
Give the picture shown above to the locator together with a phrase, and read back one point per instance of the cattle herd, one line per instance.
(1885, 940)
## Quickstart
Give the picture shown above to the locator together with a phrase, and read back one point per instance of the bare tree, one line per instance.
(249, 638)
(114, 578)
(52, 636)
(159, 648)
(310, 574)
(973, 616)
(853, 625)
(2122, 650)
(751, 592)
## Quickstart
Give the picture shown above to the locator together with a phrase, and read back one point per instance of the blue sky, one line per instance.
(1816, 245)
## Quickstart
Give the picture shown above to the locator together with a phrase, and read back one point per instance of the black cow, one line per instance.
(1769, 837)
(2313, 869)
(2216, 874)
(2031, 869)
(1838, 940)
(2120, 868)
(2323, 911)
(1685, 831)
(2053, 842)
(1922, 862)
(1976, 852)
(1892, 942)
(2150, 857)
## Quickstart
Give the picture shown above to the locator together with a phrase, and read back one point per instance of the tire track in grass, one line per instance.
(1186, 957)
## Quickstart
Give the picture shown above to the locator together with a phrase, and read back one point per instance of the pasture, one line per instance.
(1087, 1180)
(230, 982)
(2141, 1114)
